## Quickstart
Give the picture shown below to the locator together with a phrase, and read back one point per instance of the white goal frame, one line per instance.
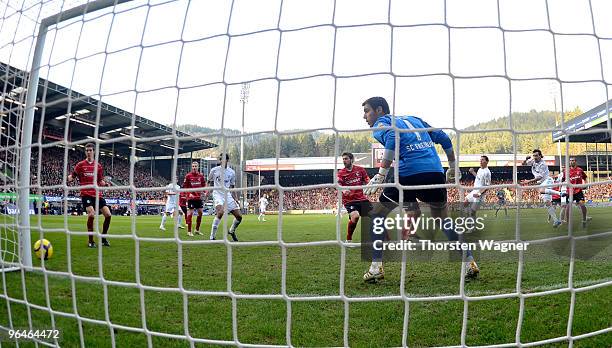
(23, 189)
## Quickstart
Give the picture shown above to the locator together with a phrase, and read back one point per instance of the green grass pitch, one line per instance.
(311, 270)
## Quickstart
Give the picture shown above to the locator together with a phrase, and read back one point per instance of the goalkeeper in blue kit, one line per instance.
(419, 164)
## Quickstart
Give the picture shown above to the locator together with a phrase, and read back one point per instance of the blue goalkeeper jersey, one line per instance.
(417, 151)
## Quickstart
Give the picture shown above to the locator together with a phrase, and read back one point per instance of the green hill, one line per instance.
(501, 141)
(471, 141)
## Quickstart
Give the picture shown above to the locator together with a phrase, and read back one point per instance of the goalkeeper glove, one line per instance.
(450, 173)
(379, 178)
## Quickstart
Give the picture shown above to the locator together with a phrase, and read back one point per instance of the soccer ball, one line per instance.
(43, 249)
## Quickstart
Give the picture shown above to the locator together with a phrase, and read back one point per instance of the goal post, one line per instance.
(28, 120)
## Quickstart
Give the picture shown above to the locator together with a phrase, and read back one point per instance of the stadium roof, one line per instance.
(593, 120)
(114, 122)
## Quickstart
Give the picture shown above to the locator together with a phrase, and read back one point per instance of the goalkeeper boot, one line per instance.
(471, 270)
(374, 274)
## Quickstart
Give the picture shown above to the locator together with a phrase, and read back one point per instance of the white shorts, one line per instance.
(219, 198)
(262, 210)
(471, 198)
(170, 207)
(545, 196)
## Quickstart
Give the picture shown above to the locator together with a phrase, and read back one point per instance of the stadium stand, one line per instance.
(326, 198)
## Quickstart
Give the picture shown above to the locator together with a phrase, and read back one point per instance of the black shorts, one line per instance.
(362, 207)
(501, 201)
(184, 209)
(435, 196)
(578, 197)
(194, 204)
(556, 201)
(89, 201)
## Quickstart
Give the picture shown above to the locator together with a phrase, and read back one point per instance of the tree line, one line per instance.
(315, 144)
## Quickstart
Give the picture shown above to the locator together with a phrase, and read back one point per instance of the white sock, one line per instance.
(549, 191)
(552, 213)
(163, 219)
(180, 219)
(215, 226)
(374, 266)
(235, 225)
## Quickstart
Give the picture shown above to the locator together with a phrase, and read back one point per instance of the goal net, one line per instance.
(162, 88)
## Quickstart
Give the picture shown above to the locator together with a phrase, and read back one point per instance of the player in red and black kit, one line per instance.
(577, 176)
(86, 171)
(355, 202)
(183, 202)
(194, 179)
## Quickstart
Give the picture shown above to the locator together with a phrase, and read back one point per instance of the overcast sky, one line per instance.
(168, 60)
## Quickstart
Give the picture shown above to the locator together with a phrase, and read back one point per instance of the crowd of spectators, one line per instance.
(328, 198)
(53, 167)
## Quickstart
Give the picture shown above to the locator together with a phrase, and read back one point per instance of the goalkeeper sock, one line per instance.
(164, 216)
(235, 225)
(374, 266)
(552, 213)
(377, 253)
(215, 226)
(350, 230)
(454, 237)
(198, 222)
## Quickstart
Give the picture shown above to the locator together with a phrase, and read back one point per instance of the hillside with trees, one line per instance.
(313, 144)
(501, 141)
(310, 144)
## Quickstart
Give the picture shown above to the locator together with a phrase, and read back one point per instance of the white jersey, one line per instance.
(173, 194)
(223, 178)
(483, 178)
(215, 176)
(539, 170)
(263, 203)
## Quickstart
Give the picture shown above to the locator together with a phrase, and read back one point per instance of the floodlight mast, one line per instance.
(244, 99)
(28, 120)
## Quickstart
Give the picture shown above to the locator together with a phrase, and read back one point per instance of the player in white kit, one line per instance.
(483, 178)
(172, 206)
(223, 177)
(541, 176)
(263, 203)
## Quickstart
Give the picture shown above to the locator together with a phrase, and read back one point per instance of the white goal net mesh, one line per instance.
(155, 85)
